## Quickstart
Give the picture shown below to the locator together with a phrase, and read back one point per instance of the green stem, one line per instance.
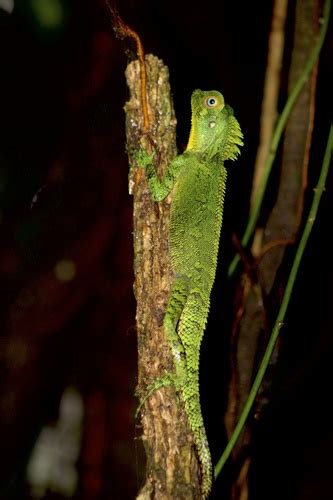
(254, 214)
(284, 305)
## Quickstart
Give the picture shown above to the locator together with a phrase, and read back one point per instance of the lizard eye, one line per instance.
(211, 101)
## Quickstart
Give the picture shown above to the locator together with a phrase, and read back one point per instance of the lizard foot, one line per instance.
(143, 159)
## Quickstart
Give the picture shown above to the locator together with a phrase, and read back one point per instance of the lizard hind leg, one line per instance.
(172, 318)
(175, 306)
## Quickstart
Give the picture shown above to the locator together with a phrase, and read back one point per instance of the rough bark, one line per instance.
(172, 468)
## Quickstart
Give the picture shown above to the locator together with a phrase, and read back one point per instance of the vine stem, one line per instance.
(283, 308)
(255, 210)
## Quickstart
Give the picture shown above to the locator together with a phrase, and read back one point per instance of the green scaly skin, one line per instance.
(198, 180)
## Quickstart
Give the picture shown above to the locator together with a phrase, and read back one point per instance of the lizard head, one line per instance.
(214, 129)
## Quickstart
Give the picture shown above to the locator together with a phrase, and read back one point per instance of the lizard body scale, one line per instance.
(197, 179)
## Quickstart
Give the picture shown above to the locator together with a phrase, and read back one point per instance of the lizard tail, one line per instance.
(192, 407)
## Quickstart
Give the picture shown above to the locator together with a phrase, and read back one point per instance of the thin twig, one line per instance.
(271, 91)
(122, 30)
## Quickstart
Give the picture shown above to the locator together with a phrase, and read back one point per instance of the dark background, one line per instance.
(62, 137)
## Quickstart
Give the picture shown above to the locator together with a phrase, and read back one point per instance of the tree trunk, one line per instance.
(172, 469)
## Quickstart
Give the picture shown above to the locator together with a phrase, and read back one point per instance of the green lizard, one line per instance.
(198, 180)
